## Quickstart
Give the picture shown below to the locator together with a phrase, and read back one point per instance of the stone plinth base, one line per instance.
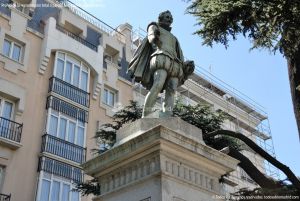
(159, 160)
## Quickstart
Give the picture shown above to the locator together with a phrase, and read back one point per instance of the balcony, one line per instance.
(69, 91)
(60, 169)
(62, 148)
(77, 38)
(10, 130)
(4, 197)
(36, 25)
(4, 9)
(67, 108)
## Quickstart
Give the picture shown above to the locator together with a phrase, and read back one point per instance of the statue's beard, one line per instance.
(166, 27)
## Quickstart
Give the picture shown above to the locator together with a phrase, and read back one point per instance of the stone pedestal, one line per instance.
(159, 160)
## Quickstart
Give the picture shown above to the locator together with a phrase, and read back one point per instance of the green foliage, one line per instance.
(106, 135)
(271, 24)
(201, 116)
(129, 114)
(89, 187)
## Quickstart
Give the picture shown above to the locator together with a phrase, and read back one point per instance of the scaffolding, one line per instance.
(257, 122)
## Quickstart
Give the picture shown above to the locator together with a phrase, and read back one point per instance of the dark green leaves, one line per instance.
(271, 24)
(201, 116)
(106, 135)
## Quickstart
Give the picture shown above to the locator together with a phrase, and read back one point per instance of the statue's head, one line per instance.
(165, 19)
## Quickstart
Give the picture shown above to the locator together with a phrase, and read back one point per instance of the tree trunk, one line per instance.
(285, 169)
(252, 171)
(294, 77)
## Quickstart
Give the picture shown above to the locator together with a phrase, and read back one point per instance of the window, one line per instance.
(45, 190)
(54, 188)
(109, 97)
(66, 128)
(12, 49)
(71, 70)
(6, 114)
(6, 108)
(2, 173)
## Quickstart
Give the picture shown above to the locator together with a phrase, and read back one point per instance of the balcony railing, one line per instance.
(4, 8)
(77, 38)
(36, 25)
(4, 197)
(69, 91)
(92, 19)
(67, 108)
(60, 169)
(10, 130)
(63, 148)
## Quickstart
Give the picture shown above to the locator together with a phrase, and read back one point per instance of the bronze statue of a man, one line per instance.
(159, 65)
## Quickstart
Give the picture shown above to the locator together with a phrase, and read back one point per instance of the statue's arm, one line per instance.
(153, 36)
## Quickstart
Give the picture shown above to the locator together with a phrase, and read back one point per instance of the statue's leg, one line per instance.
(159, 78)
(171, 87)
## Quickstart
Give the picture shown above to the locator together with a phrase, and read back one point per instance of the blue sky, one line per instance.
(258, 73)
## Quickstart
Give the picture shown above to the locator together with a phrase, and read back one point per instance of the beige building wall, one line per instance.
(20, 161)
(25, 83)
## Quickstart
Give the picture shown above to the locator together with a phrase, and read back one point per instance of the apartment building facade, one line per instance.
(62, 74)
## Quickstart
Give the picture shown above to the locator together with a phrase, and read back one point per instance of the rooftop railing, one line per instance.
(77, 38)
(106, 28)
(4, 8)
(10, 130)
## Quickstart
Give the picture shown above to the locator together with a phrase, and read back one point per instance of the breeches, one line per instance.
(161, 61)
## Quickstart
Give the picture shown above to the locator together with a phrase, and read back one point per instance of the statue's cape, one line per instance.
(139, 66)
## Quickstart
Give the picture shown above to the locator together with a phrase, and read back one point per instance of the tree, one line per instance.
(258, 194)
(286, 170)
(270, 24)
(107, 132)
(210, 122)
